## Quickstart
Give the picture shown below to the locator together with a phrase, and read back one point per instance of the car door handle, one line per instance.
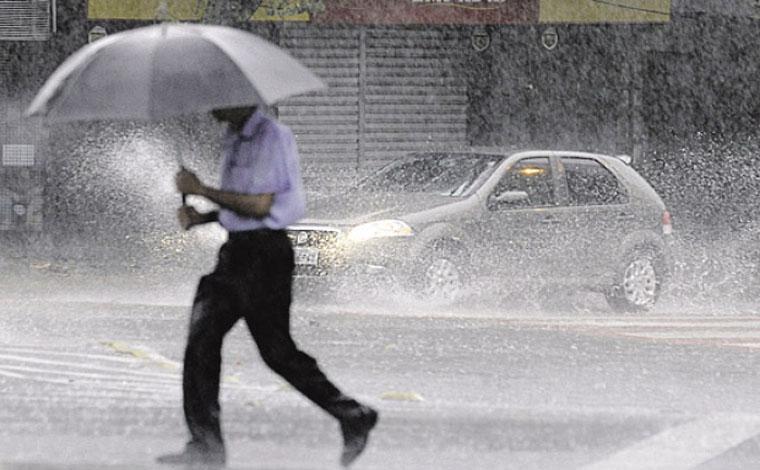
(625, 216)
(550, 221)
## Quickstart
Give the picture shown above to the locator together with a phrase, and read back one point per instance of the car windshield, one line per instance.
(454, 175)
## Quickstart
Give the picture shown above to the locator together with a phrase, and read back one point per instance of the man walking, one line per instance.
(261, 193)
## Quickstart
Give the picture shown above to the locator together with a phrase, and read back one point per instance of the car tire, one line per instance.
(638, 282)
(442, 276)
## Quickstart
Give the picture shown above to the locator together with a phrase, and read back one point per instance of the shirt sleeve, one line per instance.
(270, 174)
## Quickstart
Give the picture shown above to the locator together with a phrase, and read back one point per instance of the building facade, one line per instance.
(25, 27)
(636, 77)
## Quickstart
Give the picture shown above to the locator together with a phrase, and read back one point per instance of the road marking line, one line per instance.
(77, 365)
(684, 447)
(741, 332)
(132, 378)
(741, 344)
(11, 374)
(697, 334)
(149, 355)
(647, 323)
(88, 373)
(37, 379)
(30, 350)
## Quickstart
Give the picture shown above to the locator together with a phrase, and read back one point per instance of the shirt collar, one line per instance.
(250, 125)
(248, 128)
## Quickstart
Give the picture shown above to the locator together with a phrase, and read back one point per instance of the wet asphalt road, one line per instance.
(90, 378)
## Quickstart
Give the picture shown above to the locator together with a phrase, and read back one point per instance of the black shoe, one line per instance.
(356, 430)
(196, 455)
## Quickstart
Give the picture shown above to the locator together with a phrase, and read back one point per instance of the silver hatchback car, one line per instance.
(437, 221)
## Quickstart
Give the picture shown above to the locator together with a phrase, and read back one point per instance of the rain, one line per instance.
(530, 240)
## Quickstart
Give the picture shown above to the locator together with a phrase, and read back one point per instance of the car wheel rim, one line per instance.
(442, 280)
(640, 283)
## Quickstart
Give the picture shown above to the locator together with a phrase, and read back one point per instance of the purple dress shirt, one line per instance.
(262, 159)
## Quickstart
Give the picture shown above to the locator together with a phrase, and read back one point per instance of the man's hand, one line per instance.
(189, 217)
(245, 205)
(188, 183)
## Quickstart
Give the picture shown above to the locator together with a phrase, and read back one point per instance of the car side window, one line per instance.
(528, 183)
(591, 184)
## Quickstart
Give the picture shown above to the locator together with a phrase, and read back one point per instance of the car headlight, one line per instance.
(380, 229)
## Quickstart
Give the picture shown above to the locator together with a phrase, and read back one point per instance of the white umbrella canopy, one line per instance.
(168, 70)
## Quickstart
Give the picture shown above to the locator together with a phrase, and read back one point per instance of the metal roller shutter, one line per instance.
(415, 92)
(325, 124)
(391, 91)
(25, 20)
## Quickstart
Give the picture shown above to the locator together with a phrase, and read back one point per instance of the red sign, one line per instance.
(429, 12)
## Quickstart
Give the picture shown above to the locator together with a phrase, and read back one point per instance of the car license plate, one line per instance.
(306, 256)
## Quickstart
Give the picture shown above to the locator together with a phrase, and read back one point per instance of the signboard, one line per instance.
(182, 10)
(401, 12)
(358, 12)
(604, 11)
(391, 12)
(736, 8)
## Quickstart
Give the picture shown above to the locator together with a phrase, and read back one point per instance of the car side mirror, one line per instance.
(510, 197)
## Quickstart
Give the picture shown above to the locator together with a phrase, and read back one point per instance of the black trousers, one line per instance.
(252, 280)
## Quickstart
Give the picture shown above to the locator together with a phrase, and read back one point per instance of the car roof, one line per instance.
(515, 151)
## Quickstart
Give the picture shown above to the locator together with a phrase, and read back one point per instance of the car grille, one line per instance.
(323, 239)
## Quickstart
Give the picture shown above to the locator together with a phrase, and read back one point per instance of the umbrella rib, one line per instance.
(257, 96)
(69, 80)
(152, 68)
(78, 69)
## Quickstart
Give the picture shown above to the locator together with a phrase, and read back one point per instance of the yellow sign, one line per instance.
(604, 11)
(183, 10)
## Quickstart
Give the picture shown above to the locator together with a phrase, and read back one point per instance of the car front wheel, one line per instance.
(441, 277)
(638, 285)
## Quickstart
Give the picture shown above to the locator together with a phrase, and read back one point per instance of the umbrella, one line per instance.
(167, 70)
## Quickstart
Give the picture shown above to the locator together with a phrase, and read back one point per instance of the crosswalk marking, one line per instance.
(81, 376)
(684, 447)
(11, 374)
(26, 350)
(738, 332)
(134, 378)
(78, 365)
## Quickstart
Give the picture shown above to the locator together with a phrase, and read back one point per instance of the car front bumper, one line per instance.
(327, 252)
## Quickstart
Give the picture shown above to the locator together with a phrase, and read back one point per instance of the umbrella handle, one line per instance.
(181, 167)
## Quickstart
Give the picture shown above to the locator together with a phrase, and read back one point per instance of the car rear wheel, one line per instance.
(639, 283)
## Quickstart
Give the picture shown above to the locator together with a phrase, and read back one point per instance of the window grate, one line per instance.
(18, 155)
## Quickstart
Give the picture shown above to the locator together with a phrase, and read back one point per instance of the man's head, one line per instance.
(235, 116)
